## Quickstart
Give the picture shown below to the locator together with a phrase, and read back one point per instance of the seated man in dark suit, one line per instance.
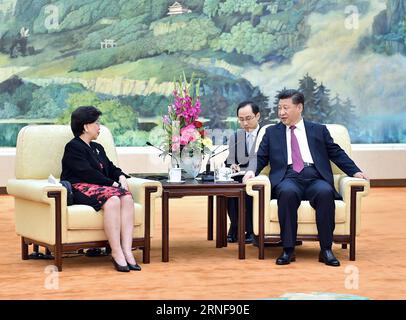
(299, 153)
(242, 149)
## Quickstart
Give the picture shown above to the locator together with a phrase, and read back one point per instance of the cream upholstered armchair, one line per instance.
(348, 210)
(42, 216)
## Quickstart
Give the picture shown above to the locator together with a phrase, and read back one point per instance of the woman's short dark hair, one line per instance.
(81, 116)
(254, 107)
(297, 96)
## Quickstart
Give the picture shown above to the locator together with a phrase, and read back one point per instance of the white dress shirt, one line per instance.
(300, 133)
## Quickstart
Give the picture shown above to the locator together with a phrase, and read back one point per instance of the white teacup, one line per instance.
(224, 173)
(175, 175)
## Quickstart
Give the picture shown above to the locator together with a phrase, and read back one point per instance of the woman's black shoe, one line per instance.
(118, 267)
(134, 267)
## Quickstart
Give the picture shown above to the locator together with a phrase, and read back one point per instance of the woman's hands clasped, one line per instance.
(123, 181)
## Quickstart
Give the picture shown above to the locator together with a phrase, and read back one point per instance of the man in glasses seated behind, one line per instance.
(241, 150)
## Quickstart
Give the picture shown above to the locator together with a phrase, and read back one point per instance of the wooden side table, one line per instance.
(222, 190)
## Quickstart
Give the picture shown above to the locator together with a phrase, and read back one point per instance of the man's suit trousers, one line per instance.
(306, 185)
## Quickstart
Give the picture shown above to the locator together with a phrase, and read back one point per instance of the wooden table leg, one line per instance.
(224, 221)
(24, 249)
(165, 226)
(146, 252)
(210, 218)
(261, 222)
(219, 240)
(241, 225)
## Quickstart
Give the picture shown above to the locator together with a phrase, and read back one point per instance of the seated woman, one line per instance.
(97, 182)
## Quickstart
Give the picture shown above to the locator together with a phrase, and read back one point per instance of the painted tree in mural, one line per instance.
(248, 40)
(337, 112)
(262, 102)
(117, 117)
(215, 109)
(242, 6)
(322, 102)
(307, 86)
(211, 7)
(404, 29)
(320, 108)
(343, 112)
(147, 106)
(352, 120)
(274, 111)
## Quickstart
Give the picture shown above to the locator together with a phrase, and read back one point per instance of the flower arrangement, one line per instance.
(186, 134)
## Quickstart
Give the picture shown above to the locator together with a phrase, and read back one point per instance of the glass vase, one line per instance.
(191, 160)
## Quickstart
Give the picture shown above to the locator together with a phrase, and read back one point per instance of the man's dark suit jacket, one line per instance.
(273, 150)
(81, 163)
(238, 151)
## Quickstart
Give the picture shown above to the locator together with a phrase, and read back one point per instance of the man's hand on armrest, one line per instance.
(361, 175)
(249, 175)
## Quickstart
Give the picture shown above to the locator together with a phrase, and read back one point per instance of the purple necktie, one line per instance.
(297, 160)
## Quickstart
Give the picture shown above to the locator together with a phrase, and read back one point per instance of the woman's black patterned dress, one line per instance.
(91, 173)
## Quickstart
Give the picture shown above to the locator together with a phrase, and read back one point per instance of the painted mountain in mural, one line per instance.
(388, 34)
(127, 52)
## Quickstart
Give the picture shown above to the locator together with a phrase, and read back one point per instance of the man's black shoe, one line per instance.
(249, 238)
(95, 252)
(286, 257)
(40, 256)
(327, 257)
(232, 236)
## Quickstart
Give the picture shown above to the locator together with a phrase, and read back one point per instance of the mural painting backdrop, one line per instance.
(347, 57)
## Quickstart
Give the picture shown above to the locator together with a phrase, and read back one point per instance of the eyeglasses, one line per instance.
(249, 118)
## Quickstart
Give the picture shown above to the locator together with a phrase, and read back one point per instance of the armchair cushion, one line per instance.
(81, 217)
(306, 214)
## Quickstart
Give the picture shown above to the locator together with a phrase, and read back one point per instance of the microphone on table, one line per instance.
(226, 149)
(209, 175)
(169, 153)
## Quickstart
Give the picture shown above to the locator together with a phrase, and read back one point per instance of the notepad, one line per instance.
(236, 174)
